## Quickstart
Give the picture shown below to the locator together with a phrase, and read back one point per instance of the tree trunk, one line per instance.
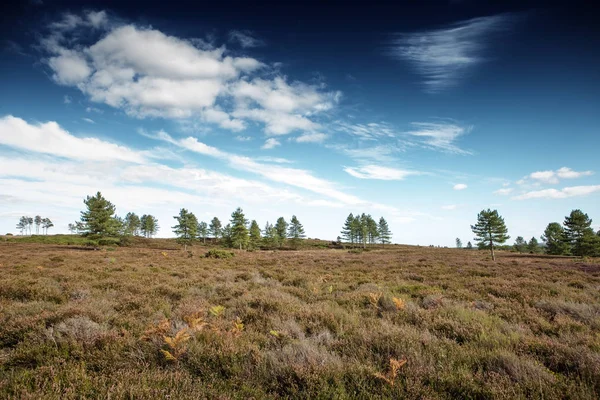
(492, 247)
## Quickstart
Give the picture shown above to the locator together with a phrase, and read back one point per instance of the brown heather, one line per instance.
(399, 322)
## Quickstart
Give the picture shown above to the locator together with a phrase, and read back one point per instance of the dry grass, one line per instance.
(404, 322)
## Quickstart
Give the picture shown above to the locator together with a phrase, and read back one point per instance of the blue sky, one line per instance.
(423, 114)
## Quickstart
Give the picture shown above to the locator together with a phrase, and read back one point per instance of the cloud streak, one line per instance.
(573, 191)
(442, 56)
(440, 136)
(379, 172)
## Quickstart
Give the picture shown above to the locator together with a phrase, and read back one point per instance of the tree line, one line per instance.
(100, 219)
(574, 237)
(362, 230)
(239, 232)
(26, 224)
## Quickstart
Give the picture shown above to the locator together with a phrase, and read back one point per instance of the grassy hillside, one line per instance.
(402, 322)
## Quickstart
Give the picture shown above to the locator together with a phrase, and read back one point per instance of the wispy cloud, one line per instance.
(368, 131)
(460, 186)
(379, 172)
(442, 56)
(67, 99)
(89, 120)
(271, 143)
(564, 193)
(554, 177)
(504, 191)
(312, 138)
(245, 39)
(440, 135)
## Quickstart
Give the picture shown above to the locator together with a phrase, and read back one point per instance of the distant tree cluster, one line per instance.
(26, 224)
(574, 237)
(239, 232)
(363, 230)
(100, 219)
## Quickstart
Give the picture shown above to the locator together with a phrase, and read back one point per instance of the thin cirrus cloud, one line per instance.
(379, 172)
(504, 191)
(573, 191)
(460, 186)
(245, 39)
(441, 136)
(443, 56)
(189, 80)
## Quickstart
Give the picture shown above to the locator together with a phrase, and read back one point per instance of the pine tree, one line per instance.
(226, 235)
(295, 231)
(554, 237)
(202, 231)
(384, 231)
(149, 225)
(186, 228)
(30, 223)
(255, 237)
(270, 235)
(132, 224)
(38, 222)
(533, 246)
(577, 225)
(72, 228)
(215, 228)
(458, 243)
(22, 225)
(490, 230)
(99, 218)
(469, 245)
(363, 224)
(239, 229)
(46, 224)
(347, 230)
(372, 232)
(520, 244)
(281, 229)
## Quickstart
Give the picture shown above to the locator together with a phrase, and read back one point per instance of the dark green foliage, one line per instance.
(215, 228)
(186, 228)
(554, 237)
(281, 230)
(578, 233)
(255, 238)
(520, 244)
(469, 246)
(218, 253)
(270, 235)
(239, 229)
(384, 231)
(533, 246)
(295, 231)
(348, 231)
(149, 225)
(99, 218)
(458, 243)
(132, 224)
(490, 230)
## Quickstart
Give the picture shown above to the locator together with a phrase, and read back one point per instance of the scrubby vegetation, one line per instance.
(397, 322)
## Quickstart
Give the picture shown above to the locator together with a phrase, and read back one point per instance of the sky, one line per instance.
(424, 113)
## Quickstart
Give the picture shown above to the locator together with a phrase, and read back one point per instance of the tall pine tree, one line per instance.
(490, 230)
(239, 229)
(255, 237)
(295, 231)
(186, 228)
(384, 231)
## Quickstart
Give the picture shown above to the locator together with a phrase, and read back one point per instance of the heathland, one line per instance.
(155, 321)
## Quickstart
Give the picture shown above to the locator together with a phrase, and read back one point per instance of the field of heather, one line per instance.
(399, 322)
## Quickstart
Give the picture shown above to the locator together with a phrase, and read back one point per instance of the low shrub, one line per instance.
(217, 253)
